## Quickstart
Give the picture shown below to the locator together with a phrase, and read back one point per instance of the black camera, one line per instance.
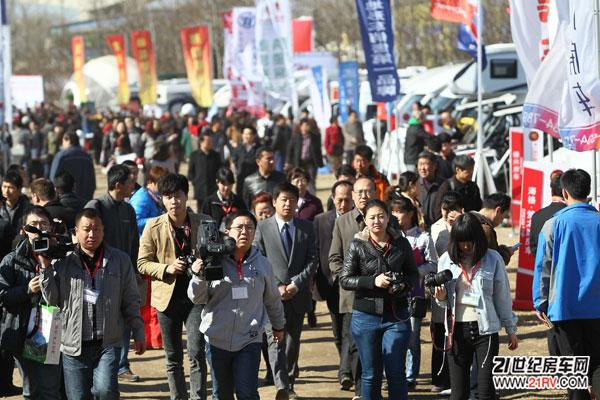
(50, 245)
(398, 285)
(212, 246)
(188, 261)
(433, 279)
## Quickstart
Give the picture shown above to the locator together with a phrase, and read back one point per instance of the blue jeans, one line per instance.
(382, 341)
(39, 380)
(413, 356)
(235, 371)
(92, 373)
(124, 357)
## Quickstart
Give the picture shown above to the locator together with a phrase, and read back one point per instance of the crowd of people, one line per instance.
(136, 271)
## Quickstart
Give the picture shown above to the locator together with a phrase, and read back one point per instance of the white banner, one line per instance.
(245, 78)
(319, 94)
(274, 44)
(5, 68)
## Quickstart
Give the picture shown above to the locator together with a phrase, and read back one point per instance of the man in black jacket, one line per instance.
(304, 151)
(64, 183)
(429, 186)
(281, 135)
(462, 183)
(43, 194)
(416, 139)
(540, 217)
(15, 202)
(203, 167)
(263, 180)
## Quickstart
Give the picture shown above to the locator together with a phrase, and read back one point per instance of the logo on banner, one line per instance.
(247, 20)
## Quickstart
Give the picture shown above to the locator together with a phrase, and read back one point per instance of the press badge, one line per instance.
(90, 296)
(470, 297)
(239, 292)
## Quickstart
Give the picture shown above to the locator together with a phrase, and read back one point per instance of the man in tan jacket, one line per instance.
(164, 242)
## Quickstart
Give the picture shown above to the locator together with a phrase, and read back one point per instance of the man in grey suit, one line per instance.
(289, 243)
(344, 230)
(328, 288)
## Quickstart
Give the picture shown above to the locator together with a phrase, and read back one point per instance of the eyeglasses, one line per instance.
(240, 228)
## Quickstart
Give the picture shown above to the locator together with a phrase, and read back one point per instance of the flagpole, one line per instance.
(480, 158)
(595, 170)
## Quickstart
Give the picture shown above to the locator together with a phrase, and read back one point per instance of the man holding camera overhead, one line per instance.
(236, 311)
(165, 248)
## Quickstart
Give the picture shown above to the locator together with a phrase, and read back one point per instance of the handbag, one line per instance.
(42, 343)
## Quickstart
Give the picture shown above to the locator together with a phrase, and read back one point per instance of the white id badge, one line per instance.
(470, 297)
(239, 292)
(90, 296)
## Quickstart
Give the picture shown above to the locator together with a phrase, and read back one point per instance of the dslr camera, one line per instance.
(398, 285)
(50, 245)
(212, 246)
(433, 279)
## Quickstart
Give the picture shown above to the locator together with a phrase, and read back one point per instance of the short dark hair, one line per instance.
(203, 134)
(345, 169)
(251, 128)
(444, 137)
(406, 178)
(261, 150)
(171, 183)
(64, 182)
(286, 187)
(364, 151)
(496, 200)
(341, 183)
(577, 183)
(13, 178)
(427, 155)
(224, 175)
(463, 162)
(71, 137)
(117, 174)
(555, 186)
(376, 203)
(129, 163)
(434, 144)
(467, 228)
(90, 213)
(452, 201)
(298, 172)
(239, 213)
(37, 210)
(43, 188)
(333, 119)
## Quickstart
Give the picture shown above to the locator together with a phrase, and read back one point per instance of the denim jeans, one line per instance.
(235, 372)
(182, 311)
(39, 380)
(124, 357)
(382, 341)
(93, 373)
(413, 356)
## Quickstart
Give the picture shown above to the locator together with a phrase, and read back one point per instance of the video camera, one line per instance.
(212, 246)
(50, 245)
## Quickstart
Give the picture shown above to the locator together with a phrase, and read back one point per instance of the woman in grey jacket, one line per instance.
(237, 309)
(479, 301)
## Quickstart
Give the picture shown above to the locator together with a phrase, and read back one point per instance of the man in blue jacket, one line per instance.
(566, 284)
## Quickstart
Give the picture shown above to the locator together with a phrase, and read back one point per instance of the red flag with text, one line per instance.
(78, 50)
(195, 41)
(459, 11)
(117, 44)
(143, 52)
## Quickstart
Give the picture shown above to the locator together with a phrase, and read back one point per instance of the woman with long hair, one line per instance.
(479, 301)
(380, 268)
(408, 186)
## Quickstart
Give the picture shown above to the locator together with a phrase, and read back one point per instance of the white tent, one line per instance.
(101, 81)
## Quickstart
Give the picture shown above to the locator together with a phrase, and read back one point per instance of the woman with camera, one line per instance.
(478, 300)
(426, 258)
(380, 268)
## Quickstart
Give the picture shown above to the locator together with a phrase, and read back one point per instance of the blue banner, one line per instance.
(375, 20)
(348, 89)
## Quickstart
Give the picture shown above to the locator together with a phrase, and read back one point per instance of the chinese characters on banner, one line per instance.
(348, 88)
(459, 11)
(196, 54)
(274, 44)
(226, 19)
(579, 124)
(516, 173)
(143, 52)
(375, 20)
(78, 51)
(117, 44)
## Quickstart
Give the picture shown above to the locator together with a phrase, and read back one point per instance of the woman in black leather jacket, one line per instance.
(380, 320)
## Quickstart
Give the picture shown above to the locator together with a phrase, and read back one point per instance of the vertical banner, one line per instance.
(319, 95)
(78, 51)
(451, 10)
(348, 88)
(195, 42)
(226, 19)
(516, 173)
(375, 21)
(274, 44)
(5, 67)
(302, 34)
(117, 44)
(143, 53)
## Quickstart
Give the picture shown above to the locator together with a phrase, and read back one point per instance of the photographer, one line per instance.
(479, 298)
(165, 243)
(380, 320)
(236, 310)
(19, 294)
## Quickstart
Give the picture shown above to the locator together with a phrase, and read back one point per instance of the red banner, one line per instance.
(143, 52)
(117, 44)
(302, 29)
(459, 11)
(195, 42)
(78, 51)
(516, 173)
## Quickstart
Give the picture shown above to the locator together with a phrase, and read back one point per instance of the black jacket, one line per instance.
(202, 172)
(416, 138)
(71, 200)
(217, 210)
(256, 183)
(430, 202)
(281, 138)
(16, 221)
(469, 193)
(245, 164)
(59, 211)
(294, 152)
(363, 263)
(538, 220)
(16, 270)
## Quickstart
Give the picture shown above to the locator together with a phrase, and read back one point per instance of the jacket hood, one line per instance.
(364, 234)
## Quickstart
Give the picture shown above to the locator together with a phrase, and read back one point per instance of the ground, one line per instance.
(318, 357)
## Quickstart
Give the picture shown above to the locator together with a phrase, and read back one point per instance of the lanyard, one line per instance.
(384, 249)
(473, 272)
(227, 210)
(92, 274)
(187, 232)
(238, 267)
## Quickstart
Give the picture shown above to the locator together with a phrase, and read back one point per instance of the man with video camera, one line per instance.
(236, 310)
(166, 246)
(19, 294)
